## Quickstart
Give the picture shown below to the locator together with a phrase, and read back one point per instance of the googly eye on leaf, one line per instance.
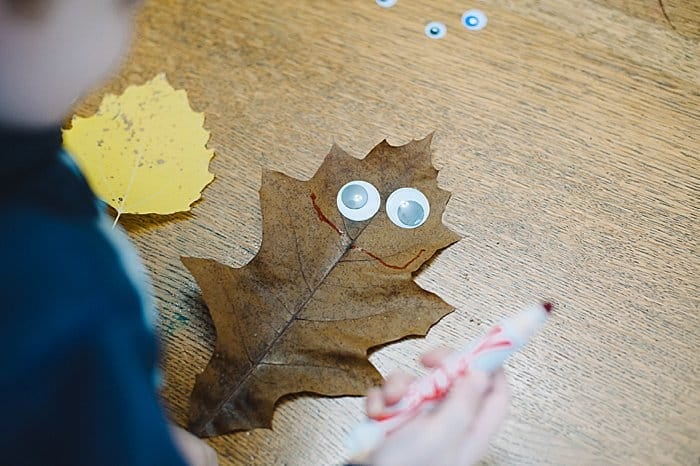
(408, 208)
(386, 3)
(474, 20)
(435, 30)
(358, 200)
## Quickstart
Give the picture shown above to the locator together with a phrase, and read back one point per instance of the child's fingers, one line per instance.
(434, 358)
(374, 405)
(195, 451)
(395, 387)
(389, 394)
(493, 412)
(494, 409)
(457, 412)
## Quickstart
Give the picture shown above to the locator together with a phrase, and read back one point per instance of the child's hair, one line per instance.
(34, 8)
(29, 8)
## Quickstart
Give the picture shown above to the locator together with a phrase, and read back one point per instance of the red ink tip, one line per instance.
(548, 307)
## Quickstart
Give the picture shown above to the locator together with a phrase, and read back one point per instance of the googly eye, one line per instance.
(435, 30)
(358, 200)
(386, 3)
(408, 208)
(474, 20)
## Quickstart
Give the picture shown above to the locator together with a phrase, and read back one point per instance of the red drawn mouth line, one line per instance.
(324, 219)
(381, 261)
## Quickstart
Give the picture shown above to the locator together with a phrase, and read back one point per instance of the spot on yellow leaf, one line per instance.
(144, 151)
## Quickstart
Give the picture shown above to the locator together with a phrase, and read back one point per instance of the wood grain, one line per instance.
(568, 132)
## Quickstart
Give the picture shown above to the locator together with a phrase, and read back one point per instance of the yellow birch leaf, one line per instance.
(144, 151)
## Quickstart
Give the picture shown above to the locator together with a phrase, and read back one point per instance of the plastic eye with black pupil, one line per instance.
(358, 200)
(354, 196)
(474, 20)
(407, 208)
(435, 30)
(386, 3)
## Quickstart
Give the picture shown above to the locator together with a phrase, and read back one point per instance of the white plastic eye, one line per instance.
(358, 200)
(435, 30)
(474, 20)
(408, 208)
(386, 3)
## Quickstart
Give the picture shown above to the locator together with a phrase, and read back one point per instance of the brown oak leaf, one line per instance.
(322, 290)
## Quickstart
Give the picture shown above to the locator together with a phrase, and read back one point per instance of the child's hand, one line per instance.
(194, 450)
(457, 432)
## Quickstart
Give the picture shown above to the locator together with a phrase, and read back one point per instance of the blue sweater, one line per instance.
(78, 353)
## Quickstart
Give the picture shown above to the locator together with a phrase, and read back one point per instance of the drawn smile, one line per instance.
(324, 219)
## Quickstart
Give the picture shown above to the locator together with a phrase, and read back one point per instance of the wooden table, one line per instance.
(568, 133)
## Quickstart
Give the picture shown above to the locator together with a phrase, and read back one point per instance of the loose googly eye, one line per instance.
(408, 208)
(358, 200)
(386, 3)
(474, 20)
(435, 30)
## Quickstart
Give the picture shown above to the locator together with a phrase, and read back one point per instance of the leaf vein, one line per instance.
(301, 263)
(288, 364)
(342, 320)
